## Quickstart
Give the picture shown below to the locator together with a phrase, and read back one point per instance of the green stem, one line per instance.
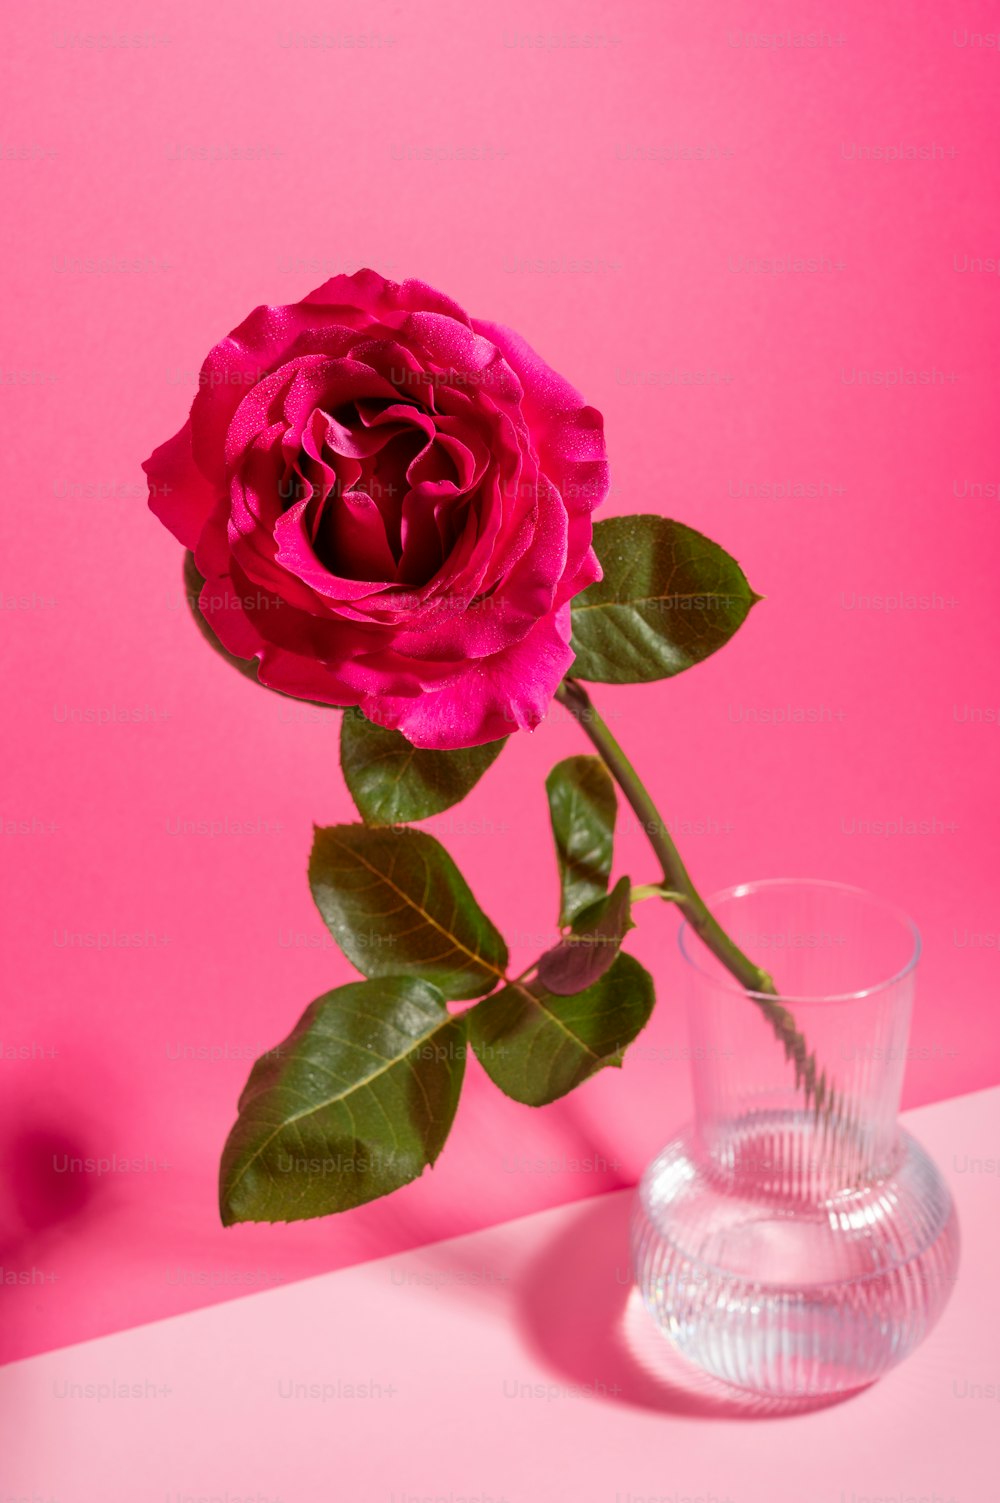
(681, 890)
(675, 874)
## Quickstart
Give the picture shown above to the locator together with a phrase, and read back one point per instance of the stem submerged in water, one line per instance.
(683, 892)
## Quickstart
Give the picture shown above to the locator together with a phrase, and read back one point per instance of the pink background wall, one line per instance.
(606, 200)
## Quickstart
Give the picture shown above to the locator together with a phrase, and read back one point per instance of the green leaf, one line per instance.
(393, 782)
(669, 598)
(536, 1046)
(395, 902)
(582, 956)
(356, 1102)
(582, 805)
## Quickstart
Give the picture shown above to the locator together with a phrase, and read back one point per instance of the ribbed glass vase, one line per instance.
(794, 1240)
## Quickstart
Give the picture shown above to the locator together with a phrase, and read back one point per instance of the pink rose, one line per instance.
(390, 503)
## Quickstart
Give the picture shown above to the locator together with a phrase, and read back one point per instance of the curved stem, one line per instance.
(675, 874)
(816, 1087)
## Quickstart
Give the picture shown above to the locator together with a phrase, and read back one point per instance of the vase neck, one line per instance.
(755, 1121)
(796, 1154)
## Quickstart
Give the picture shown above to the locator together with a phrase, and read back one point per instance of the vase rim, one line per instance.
(725, 982)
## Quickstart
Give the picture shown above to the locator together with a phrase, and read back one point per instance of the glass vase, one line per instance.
(794, 1240)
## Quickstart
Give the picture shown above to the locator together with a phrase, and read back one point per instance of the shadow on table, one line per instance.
(583, 1317)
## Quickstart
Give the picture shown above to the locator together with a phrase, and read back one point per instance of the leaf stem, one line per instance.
(654, 890)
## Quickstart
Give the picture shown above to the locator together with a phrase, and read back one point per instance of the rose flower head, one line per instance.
(390, 504)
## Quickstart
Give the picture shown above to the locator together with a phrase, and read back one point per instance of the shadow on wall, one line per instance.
(41, 1202)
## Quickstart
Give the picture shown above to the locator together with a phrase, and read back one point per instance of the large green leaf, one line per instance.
(669, 598)
(583, 955)
(583, 805)
(537, 1046)
(357, 1101)
(395, 902)
(393, 782)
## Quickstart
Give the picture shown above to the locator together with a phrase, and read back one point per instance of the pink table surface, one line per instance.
(512, 1364)
(617, 181)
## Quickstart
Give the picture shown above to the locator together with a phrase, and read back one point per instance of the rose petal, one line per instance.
(391, 504)
(568, 434)
(178, 492)
(509, 691)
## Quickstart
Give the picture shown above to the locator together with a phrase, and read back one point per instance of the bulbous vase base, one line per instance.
(785, 1287)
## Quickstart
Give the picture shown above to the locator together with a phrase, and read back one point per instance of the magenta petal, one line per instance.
(362, 524)
(352, 536)
(469, 353)
(461, 458)
(302, 677)
(292, 392)
(419, 531)
(329, 637)
(380, 297)
(568, 434)
(582, 567)
(222, 606)
(497, 695)
(179, 494)
(231, 370)
(211, 554)
(391, 505)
